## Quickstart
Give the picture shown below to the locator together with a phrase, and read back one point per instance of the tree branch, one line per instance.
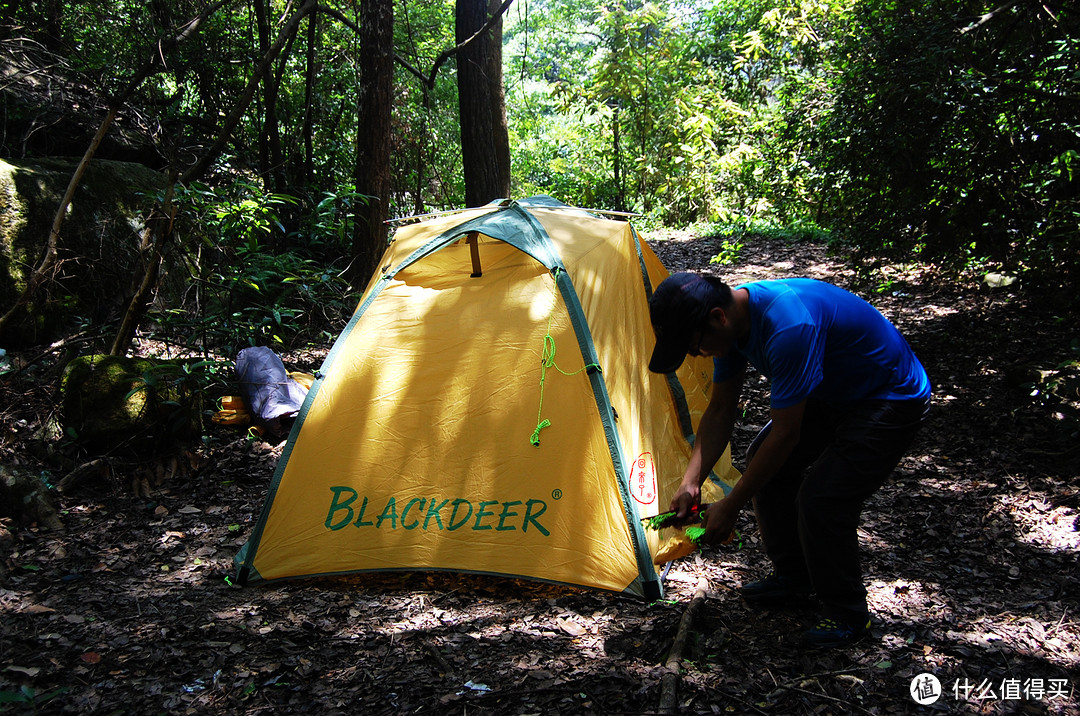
(669, 684)
(144, 71)
(988, 17)
(240, 107)
(444, 56)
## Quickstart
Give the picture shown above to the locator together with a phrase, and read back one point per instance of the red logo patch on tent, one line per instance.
(643, 479)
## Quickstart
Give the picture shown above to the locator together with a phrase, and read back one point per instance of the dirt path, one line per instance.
(971, 557)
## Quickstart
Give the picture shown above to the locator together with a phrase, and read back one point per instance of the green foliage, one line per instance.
(561, 156)
(174, 382)
(711, 106)
(1058, 388)
(942, 130)
(27, 697)
(244, 216)
(947, 130)
(255, 283)
(953, 134)
(729, 252)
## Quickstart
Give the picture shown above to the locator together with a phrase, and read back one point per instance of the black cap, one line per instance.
(678, 309)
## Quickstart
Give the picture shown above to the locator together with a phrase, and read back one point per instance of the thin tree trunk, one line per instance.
(309, 101)
(157, 232)
(374, 103)
(52, 244)
(162, 228)
(485, 142)
(154, 58)
(286, 33)
(616, 151)
(262, 31)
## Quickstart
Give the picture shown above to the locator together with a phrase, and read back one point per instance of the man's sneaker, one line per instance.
(774, 590)
(830, 633)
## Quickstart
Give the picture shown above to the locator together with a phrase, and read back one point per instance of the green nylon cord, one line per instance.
(547, 360)
(695, 534)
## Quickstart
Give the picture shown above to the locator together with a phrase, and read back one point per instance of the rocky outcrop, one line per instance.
(129, 406)
(98, 249)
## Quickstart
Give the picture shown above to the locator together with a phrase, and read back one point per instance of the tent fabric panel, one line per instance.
(694, 378)
(604, 266)
(652, 423)
(357, 425)
(426, 266)
(642, 549)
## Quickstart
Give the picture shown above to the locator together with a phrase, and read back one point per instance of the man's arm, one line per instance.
(713, 435)
(770, 457)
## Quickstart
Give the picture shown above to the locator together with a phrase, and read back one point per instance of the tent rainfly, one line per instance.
(488, 409)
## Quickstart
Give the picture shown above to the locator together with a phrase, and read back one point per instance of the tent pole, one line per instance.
(474, 248)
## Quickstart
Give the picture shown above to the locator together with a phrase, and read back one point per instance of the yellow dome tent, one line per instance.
(488, 409)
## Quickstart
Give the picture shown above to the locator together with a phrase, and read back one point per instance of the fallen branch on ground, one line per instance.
(669, 686)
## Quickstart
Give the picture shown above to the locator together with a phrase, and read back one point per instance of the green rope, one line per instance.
(695, 534)
(547, 360)
(535, 439)
(656, 522)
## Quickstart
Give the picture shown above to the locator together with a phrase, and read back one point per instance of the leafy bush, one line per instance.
(256, 282)
(953, 137)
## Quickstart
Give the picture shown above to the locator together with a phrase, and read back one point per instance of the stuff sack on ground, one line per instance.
(272, 396)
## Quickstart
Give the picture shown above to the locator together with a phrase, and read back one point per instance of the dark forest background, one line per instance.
(288, 133)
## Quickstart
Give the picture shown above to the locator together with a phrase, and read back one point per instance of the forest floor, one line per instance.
(971, 560)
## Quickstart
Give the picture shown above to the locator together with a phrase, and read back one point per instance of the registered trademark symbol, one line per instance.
(556, 494)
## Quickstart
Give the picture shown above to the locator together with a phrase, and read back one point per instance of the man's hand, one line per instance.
(718, 519)
(685, 499)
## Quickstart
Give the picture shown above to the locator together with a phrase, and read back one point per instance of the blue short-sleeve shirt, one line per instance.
(815, 340)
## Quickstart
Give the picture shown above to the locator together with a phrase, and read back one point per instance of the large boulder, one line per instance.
(25, 496)
(132, 406)
(98, 248)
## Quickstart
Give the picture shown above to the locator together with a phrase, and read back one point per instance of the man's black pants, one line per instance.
(809, 512)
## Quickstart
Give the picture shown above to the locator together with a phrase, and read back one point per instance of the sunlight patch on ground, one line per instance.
(909, 600)
(1024, 635)
(928, 603)
(1040, 524)
(929, 312)
(496, 622)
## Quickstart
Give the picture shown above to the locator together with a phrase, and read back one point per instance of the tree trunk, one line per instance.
(485, 142)
(287, 32)
(374, 101)
(309, 101)
(616, 153)
(262, 29)
(159, 228)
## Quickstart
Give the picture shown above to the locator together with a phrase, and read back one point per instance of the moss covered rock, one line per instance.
(25, 496)
(98, 247)
(129, 405)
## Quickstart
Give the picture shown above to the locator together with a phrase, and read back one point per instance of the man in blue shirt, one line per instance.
(848, 396)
